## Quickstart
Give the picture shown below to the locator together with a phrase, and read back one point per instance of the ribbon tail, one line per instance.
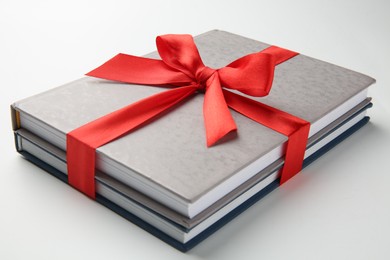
(82, 142)
(253, 74)
(295, 128)
(218, 120)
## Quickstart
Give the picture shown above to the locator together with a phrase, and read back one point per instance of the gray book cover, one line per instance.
(170, 154)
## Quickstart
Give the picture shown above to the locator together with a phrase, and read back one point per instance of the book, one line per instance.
(167, 160)
(121, 199)
(180, 227)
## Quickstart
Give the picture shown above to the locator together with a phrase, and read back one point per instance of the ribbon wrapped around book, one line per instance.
(181, 69)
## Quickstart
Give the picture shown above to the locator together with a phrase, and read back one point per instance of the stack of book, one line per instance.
(163, 177)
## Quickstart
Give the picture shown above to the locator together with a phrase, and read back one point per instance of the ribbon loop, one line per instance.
(180, 52)
(251, 74)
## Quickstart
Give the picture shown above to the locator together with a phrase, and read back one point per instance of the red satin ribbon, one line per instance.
(182, 68)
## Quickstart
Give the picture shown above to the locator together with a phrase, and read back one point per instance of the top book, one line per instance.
(168, 159)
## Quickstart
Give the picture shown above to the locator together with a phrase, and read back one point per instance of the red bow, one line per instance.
(182, 68)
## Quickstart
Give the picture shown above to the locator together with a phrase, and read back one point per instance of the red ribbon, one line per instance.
(182, 69)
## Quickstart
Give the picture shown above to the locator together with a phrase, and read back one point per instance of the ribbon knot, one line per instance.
(182, 68)
(201, 77)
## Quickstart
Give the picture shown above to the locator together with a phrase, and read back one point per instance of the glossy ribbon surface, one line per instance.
(183, 71)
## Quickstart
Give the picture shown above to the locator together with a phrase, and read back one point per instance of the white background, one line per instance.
(337, 208)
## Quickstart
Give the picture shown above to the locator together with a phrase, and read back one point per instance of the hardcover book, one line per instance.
(163, 175)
